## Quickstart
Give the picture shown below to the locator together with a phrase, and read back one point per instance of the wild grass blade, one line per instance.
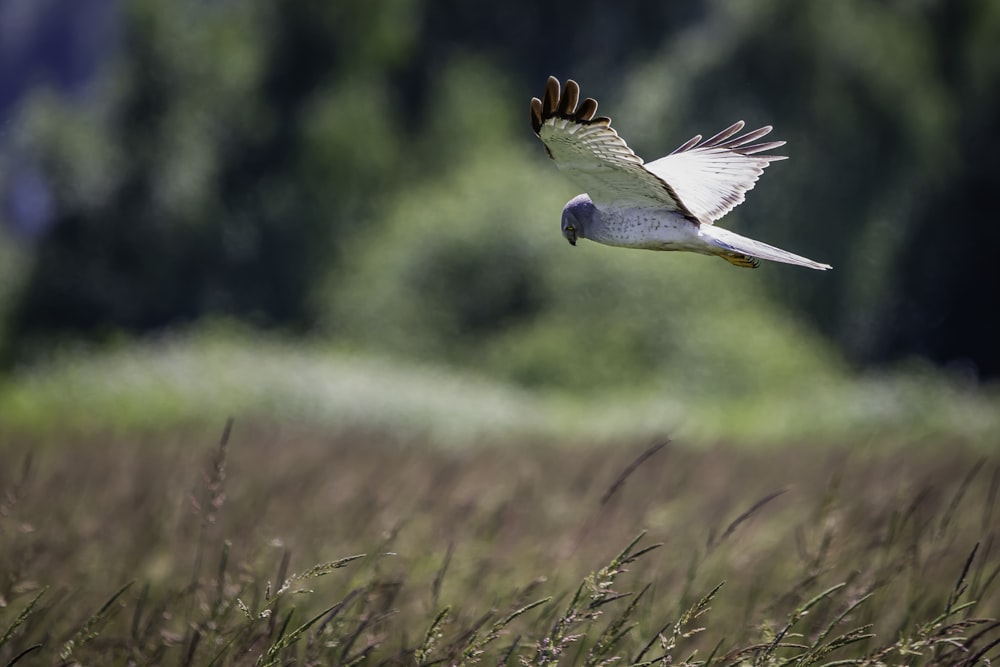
(89, 629)
(432, 637)
(285, 640)
(22, 654)
(757, 506)
(23, 616)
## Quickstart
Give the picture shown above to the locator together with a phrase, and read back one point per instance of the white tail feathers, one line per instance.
(727, 240)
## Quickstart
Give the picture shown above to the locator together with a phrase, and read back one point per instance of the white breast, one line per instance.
(651, 229)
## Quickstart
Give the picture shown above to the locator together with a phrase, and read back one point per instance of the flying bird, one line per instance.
(667, 204)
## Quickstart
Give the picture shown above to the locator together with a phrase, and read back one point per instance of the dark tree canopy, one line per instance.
(229, 153)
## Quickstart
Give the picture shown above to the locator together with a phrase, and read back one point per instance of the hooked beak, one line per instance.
(572, 240)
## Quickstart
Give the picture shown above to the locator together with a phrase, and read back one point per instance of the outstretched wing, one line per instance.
(702, 180)
(590, 152)
(713, 176)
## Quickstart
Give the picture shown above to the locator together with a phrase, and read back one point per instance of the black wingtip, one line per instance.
(550, 101)
(560, 101)
(587, 110)
(536, 114)
(569, 99)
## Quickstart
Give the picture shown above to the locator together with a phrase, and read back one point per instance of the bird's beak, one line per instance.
(569, 233)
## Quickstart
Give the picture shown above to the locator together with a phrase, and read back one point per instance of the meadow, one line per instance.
(282, 545)
(455, 438)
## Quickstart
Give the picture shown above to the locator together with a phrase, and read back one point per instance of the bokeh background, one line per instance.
(330, 221)
(336, 213)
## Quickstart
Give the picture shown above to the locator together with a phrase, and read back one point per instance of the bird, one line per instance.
(669, 204)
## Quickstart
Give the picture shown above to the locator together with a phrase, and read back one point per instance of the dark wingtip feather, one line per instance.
(731, 139)
(725, 134)
(749, 137)
(550, 101)
(563, 102)
(687, 145)
(587, 110)
(570, 98)
(536, 114)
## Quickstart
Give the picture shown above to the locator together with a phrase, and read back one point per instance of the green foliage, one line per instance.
(191, 377)
(867, 559)
(248, 159)
(231, 145)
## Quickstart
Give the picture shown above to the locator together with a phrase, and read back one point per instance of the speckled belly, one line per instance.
(649, 229)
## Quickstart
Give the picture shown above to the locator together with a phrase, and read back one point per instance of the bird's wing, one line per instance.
(591, 153)
(712, 177)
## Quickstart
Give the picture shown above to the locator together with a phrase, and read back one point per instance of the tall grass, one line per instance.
(285, 548)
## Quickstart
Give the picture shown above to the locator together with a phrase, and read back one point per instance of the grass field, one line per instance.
(190, 378)
(290, 547)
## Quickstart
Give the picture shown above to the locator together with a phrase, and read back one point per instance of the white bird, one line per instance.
(668, 204)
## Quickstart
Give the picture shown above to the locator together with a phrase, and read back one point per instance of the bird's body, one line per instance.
(668, 204)
(642, 228)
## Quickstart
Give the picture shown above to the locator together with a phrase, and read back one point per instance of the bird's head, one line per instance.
(578, 216)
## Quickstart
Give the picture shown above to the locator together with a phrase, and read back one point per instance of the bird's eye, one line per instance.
(570, 228)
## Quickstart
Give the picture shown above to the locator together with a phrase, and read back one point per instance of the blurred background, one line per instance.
(336, 212)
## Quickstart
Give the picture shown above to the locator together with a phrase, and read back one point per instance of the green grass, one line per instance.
(190, 378)
(295, 547)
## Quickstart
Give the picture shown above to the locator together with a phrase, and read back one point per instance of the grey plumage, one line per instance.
(667, 204)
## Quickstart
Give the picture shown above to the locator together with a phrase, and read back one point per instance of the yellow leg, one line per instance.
(738, 259)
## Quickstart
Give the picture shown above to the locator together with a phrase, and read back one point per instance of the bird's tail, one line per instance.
(741, 251)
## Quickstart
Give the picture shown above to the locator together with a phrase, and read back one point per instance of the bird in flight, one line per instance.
(667, 204)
